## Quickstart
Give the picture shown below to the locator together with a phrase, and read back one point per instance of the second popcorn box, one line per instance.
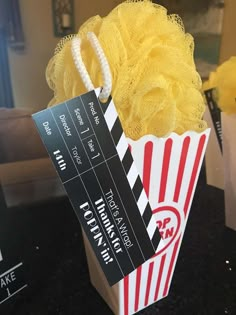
(220, 95)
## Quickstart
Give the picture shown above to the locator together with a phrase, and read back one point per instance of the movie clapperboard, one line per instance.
(87, 145)
(12, 282)
(215, 114)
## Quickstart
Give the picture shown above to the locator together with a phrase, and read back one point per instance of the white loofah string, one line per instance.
(76, 54)
(106, 73)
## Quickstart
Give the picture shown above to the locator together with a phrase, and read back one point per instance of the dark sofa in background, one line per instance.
(26, 172)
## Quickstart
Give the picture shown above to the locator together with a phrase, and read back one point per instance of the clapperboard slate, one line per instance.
(86, 143)
(13, 278)
(215, 114)
(12, 282)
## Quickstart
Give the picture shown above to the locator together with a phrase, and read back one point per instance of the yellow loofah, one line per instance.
(156, 88)
(224, 79)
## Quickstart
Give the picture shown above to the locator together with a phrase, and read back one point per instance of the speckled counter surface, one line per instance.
(204, 282)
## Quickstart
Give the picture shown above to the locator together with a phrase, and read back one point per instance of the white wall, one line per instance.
(28, 68)
(85, 9)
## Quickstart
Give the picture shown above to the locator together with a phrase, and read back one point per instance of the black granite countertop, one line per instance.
(47, 239)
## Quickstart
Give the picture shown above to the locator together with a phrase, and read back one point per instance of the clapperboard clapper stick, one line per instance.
(88, 148)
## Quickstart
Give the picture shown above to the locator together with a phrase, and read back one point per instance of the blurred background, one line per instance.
(30, 35)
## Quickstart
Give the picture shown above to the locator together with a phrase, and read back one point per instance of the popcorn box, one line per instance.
(229, 158)
(169, 168)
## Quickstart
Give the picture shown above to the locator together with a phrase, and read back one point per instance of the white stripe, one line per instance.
(175, 261)
(1, 255)
(14, 293)
(122, 146)
(132, 285)
(97, 91)
(132, 175)
(110, 116)
(153, 222)
(143, 284)
(137, 152)
(119, 309)
(13, 268)
(155, 275)
(151, 228)
(156, 168)
(169, 253)
(142, 202)
(186, 177)
(173, 168)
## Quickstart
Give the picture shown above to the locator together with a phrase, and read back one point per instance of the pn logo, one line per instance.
(60, 160)
(168, 220)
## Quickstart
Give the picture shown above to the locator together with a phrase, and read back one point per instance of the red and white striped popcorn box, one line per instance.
(169, 169)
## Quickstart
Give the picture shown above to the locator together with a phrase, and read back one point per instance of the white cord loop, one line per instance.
(76, 54)
(106, 73)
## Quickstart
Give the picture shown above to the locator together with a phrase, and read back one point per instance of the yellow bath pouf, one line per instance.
(224, 80)
(156, 88)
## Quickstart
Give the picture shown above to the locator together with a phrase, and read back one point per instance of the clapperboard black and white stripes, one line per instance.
(133, 177)
(215, 113)
(86, 143)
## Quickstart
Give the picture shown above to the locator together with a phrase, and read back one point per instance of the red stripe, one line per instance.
(165, 168)
(147, 165)
(126, 295)
(181, 168)
(171, 267)
(137, 288)
(194, 172)
(163, 258)
(150, 272)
